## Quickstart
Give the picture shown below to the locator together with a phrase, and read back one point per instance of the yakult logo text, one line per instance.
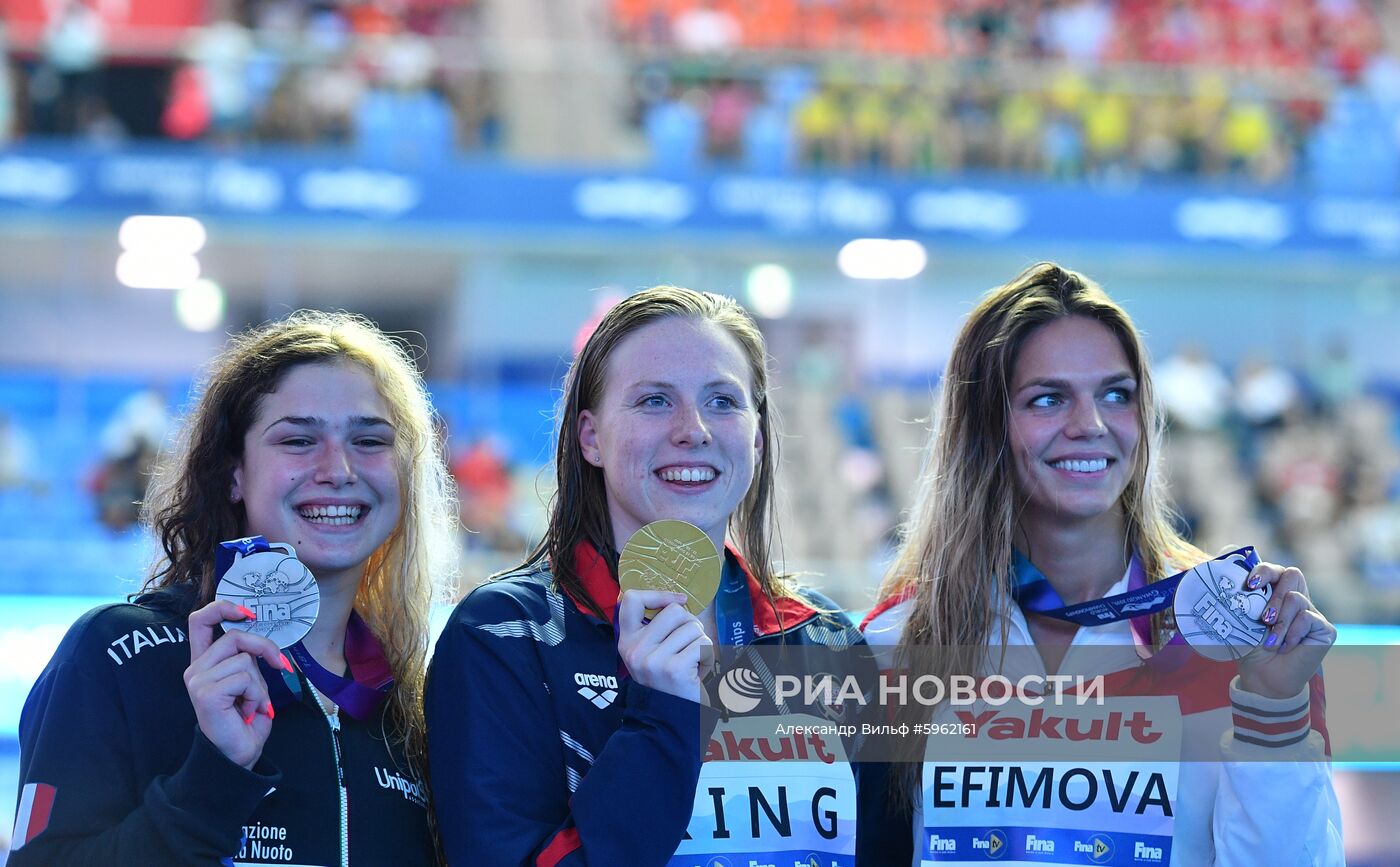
(1041, 724)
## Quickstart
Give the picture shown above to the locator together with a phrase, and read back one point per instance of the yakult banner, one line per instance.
(1105, 705)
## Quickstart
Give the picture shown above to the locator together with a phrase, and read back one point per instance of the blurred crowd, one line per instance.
(1304, 464)
(401, 80)
(1260, 91)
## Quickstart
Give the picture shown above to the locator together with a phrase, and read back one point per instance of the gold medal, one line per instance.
(673, 556)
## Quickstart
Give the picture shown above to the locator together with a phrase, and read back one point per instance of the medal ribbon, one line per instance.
(733, 606)
(1033, 592)
(371, 677)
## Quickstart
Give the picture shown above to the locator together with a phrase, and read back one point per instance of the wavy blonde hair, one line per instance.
(954, 560)
(190, 512)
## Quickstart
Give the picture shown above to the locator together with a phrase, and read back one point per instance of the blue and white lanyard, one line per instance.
(1032, 591)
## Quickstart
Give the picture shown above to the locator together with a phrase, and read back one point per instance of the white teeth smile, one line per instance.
(333, 515)
(689, 474)
(1082, 466)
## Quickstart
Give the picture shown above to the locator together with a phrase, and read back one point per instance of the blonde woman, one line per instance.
(152, 738)
(1040, 492)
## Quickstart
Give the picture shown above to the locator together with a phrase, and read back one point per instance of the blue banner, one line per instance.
(38, 179)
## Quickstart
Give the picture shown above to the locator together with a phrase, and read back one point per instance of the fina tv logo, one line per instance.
(991, 844)
(1099, 848)
(740, 690)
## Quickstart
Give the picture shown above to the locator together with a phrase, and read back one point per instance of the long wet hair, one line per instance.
(954, 560)
(190, 510)
(578, 511)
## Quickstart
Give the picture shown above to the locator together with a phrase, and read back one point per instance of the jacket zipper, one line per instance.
(333, 720)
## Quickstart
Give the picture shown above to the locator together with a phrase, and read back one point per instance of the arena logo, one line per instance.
(600, 689)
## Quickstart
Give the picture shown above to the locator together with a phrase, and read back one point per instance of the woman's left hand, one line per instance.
(1299, 636)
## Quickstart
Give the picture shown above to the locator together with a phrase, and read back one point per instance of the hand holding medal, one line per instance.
(1236, 607)
(227, 690)
(266, 600)
(669, 572)
(1299, 636)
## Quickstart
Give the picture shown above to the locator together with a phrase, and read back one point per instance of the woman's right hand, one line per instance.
(671, 652)
(228, 692)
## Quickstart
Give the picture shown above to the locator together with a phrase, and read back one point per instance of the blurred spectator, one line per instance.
(7, 88)
(705, 28)
(1335, 377)
(186, 113)
(1249, 142)
(1193, 389)
(16, 455)
(1375, 527)
(1265, 393)
(70, 74)
(1107, 131)
(130, 443)
(222, 51)
(1076, 29)
(484, 496)
(819, 126)
(724, 123)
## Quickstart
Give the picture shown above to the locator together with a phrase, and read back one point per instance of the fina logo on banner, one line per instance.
(1099, 848)
(992, 843)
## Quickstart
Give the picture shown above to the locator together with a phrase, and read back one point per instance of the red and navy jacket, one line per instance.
(540, 754)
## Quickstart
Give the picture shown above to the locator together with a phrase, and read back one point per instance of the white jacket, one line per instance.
(1246, 808)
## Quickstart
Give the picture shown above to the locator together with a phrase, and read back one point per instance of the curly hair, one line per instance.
(189, 509)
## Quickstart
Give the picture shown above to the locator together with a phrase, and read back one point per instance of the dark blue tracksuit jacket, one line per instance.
(541, 755)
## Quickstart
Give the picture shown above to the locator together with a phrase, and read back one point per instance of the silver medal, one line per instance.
(1216, 615)
(278, 588)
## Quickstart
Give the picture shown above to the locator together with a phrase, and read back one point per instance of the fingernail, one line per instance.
(248, 720)
(247, 612)
(1270, 614)
(1253, 582)
(271, 714)
(1271, 641)
(285, 664)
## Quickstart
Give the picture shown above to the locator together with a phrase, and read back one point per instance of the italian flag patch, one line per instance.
(35, 805)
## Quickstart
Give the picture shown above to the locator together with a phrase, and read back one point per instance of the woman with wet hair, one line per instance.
(1040, 492)
(157, 736)
(568, 727)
